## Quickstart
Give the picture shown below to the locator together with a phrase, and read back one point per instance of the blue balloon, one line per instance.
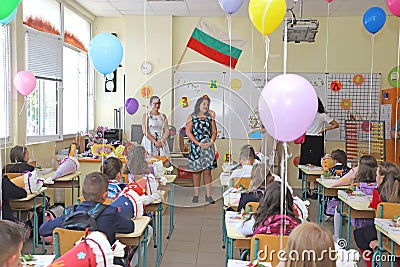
(230, 6)
(9, 18)
(374, 19)
(105, 52)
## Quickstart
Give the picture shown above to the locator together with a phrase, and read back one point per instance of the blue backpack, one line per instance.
(83, 219)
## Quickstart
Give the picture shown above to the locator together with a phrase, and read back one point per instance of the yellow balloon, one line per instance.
(267, 15)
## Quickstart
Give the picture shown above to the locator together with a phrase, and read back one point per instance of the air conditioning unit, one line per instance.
(301, 30)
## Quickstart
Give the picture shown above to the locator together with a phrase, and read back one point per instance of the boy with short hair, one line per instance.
(109, 221)
(246, 159)
(11, 244)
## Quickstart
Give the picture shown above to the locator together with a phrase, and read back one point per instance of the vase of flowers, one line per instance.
(97, 136)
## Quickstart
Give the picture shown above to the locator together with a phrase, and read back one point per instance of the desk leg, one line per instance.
(140, 251)
(159, 233)
(319, 221)
(223, 220)
(229, 250)
(171, 209)
(35, 227)
(303, 185)
(145, 239)
(79, 186)
(72, 189)
(44, 220)
(341, 220)
(348, 226)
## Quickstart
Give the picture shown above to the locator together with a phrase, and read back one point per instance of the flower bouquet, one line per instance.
(97, 136)
(102, 150)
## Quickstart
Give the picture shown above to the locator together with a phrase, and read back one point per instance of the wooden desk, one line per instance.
(235, 240)
(391, 243)
(137, 238)
(30, 203)
(308, 175)
(67, 181)
(325, 189)
(354, 209)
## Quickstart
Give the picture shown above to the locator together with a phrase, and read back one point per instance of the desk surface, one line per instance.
(233, 233)
(394, 237)
(140, 226)
(66, 178)
(327, 183)
(170, 178)
(98, 160)
(311, 171)
(357, 205)
(29, 196)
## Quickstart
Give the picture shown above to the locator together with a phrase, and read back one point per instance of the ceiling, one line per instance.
(211, 8)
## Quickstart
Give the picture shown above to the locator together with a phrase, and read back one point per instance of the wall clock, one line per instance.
(146, 67)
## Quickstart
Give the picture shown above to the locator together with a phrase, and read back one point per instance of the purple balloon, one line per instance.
(131, 105)
(288, 105)
(230, 6)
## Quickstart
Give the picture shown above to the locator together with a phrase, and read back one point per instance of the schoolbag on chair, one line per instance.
(80, 220)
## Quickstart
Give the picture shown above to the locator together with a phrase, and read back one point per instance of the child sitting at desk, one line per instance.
(268, 218)
(387, 177)
(136, 163)
(12, 241)
(247, 160)
(109, 221)
(112, 167)
(19, 157)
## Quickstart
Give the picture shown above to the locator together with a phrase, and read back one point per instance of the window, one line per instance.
(56, 40)
(5, 87)
(42, 111)
(75, 94)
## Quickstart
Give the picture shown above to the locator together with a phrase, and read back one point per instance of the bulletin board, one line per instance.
(345, 96)
(352, 96)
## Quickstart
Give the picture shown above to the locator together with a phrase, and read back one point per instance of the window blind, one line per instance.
(5, 82)
(44, 54)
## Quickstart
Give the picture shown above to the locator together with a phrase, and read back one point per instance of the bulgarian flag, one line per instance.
(214, 44)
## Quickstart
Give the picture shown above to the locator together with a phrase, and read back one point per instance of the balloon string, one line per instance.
(370, 93)
(267, 41)
(327, 39)
(397, 96)
(23, 106)
(285, 49)
(230, 80)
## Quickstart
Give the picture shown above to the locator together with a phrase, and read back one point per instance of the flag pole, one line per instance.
(181, 58)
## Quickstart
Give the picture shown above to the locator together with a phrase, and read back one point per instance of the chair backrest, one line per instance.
(64, 240)
(106, 202)
(251, 206)
(241, 181)
(387, 210)
(12, 175)
(262, 246)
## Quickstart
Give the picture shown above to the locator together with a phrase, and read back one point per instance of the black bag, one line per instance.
(80, 220)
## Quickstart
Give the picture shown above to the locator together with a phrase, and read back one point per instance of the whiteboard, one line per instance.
(190, 86)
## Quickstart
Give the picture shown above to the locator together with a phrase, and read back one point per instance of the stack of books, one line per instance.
(353, 195)
(388, 226)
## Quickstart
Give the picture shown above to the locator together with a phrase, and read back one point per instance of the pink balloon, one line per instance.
(288, 105)
(25, 82)
(394, 7)
(329, 1)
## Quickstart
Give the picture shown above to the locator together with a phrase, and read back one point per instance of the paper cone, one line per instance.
(94, 250)
(67, 165)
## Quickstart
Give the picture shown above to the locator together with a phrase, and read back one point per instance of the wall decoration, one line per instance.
(336, 86)
(346, 103)
(236, 84)
(358, 79)
(296, 161)
(146, 91)
(393, 77)
(184, 102)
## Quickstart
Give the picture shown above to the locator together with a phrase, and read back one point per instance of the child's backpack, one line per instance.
(52, 213)
(80, 220)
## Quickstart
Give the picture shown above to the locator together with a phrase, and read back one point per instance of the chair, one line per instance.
(251, 206)
(241, 182)
(81, 199)
(267, 243)
(64, 240)
(12, 175)
(387, 210)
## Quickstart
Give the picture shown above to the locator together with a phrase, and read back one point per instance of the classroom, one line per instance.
(282, 87)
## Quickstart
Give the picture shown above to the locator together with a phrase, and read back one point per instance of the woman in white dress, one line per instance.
(155, 130)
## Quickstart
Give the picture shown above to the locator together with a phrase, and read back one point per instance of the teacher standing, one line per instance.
(155, 130)
(201, 130)
(312, 150)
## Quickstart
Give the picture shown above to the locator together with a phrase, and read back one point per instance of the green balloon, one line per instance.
(7, 7)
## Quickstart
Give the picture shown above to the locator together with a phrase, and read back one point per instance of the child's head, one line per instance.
(95, 187)
(247, 155)
(260, 178)
(11, 244)
(367, 165)
(137, 164)
(339, 156)
(387, 176)
(19, 154)
(310, 245)
(112, 167)
(270, 203)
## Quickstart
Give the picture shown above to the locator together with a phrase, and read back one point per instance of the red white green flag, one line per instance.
(214, 44)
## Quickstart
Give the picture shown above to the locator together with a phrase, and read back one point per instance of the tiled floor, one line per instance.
(197, 237)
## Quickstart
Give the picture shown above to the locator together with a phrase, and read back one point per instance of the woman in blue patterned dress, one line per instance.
(201, 130)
